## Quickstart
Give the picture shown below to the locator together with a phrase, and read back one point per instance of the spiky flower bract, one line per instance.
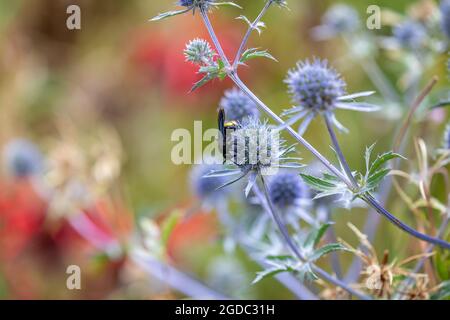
(286, 189)
(410, 34)
(199, 51)
(255, 148)
(22, 158)
(238, 106)
(445, 16)
(316, 88)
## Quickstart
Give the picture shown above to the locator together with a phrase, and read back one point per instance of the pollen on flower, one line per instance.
(238, 106)
(315, 85)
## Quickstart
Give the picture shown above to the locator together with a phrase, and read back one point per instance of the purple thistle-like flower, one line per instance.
(195, 3)
(22, 158)
(238, 106)
(445, 16)
(317, 88)
(410, 34)
(315, 85)
(286, 189)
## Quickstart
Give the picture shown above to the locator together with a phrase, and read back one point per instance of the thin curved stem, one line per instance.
(375, 204)
(216, 41)
(291, 283)
(268, 206)
(249, 32)
(338, 150)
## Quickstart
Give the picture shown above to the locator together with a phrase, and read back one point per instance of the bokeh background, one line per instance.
(105, 100)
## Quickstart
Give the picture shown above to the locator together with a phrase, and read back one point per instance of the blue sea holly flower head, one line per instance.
(199, 51)
(338, 20)
(22, 158)
(410, 34)
(238, 106)
(315, 89)
(291, 196)
(254, 148)
(445, 17)
(193, 5)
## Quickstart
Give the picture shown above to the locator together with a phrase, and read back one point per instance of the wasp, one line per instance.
(224, 127)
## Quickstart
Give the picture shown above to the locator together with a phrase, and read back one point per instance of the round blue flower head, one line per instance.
(410, 34)
(22, 158)
(315, 86)
(445, 14)
(286, 189)
(205, 187)
(238, 105)
(341, 18)
(195, 3)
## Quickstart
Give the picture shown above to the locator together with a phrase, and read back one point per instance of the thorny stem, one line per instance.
(368, 198)
(249, 32)
(268, 206)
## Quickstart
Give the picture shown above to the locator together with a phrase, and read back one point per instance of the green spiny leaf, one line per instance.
(254, 53)
(381, 160)
(326, 249)
(373, 180)
(317, 183)
(315, 236)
